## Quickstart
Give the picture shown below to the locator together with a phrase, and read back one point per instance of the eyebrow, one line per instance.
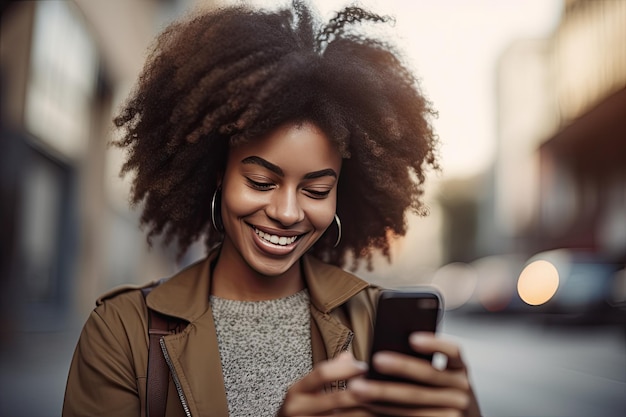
(256, 160)
(322, 173)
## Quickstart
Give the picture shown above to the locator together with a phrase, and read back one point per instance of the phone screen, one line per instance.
(399, 314)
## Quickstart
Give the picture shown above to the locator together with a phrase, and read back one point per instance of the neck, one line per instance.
(234, 279)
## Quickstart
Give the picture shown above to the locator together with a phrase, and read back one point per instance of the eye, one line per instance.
(261, 186)
(316, 194)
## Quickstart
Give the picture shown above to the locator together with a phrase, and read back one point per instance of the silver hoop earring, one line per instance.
(338, 230)
(219, 228)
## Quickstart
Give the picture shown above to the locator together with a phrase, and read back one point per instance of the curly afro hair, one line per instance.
(234, 74)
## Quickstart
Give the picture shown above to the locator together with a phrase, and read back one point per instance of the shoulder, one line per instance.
(123, 306)
(125, 294)
(122, 291)
(368, 296)
(363, 303)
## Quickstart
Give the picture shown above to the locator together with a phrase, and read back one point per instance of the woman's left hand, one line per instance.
(437, 392)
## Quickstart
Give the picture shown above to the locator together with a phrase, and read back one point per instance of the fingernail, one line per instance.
(344, 355)
(383, 359)
(419, 338)
(361, 365)
(358, 386)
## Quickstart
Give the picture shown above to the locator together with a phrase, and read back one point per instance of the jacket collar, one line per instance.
(328, 285)
(186, 294)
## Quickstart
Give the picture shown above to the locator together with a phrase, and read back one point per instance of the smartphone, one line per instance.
(400, 313)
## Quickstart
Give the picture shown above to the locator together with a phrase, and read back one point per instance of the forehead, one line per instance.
(299, 146)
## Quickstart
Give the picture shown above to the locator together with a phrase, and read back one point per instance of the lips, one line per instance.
(276, 239)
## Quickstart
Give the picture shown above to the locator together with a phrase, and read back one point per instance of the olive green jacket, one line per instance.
(107, 376)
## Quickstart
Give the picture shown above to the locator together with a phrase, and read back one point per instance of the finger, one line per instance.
(379, 410)
(403, 394)
(354, 412)
(301, 404)
(418, 370)
(429, 344)
(342, 368)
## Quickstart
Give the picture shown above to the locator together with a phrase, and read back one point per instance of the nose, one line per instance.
(285, 208)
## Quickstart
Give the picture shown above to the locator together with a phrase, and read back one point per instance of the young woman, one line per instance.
(294, 149)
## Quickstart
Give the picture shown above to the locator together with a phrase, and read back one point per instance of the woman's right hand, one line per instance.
(308, 398)
(437, 391)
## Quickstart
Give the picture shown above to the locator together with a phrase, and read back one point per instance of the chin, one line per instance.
(272, 269)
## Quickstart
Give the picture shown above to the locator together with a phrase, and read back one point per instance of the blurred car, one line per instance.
(563, 285)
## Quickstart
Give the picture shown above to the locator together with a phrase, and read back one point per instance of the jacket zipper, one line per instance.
(346, 344)
(179, 388)
(342, 384)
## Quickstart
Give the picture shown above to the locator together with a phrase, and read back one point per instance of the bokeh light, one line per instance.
(538, 282)
(497, 276)
(456, 282)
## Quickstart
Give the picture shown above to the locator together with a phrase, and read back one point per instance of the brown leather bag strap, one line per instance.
(158, 371)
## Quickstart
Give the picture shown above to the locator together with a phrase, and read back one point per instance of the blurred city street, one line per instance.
(520, 368)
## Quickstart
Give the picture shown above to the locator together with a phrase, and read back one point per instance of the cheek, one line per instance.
(322, 215)
(238, 200)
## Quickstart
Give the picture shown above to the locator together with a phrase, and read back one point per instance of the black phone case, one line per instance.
(399, 314)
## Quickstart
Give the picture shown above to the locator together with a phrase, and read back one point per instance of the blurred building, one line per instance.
(67, 231)
(583, 164)
(559, 177)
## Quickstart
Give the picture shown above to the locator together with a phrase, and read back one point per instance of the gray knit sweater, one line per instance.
(265, 346)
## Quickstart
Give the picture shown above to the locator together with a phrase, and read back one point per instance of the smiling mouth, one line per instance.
(275, 239)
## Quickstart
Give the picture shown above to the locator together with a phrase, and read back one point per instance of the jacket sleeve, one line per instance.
(102, 379)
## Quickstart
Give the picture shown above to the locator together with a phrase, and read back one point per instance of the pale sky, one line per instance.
(453, 46)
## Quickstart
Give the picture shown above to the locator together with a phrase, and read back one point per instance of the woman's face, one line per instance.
(279, 195)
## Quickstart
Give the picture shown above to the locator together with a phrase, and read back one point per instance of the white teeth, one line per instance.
(277, 240)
